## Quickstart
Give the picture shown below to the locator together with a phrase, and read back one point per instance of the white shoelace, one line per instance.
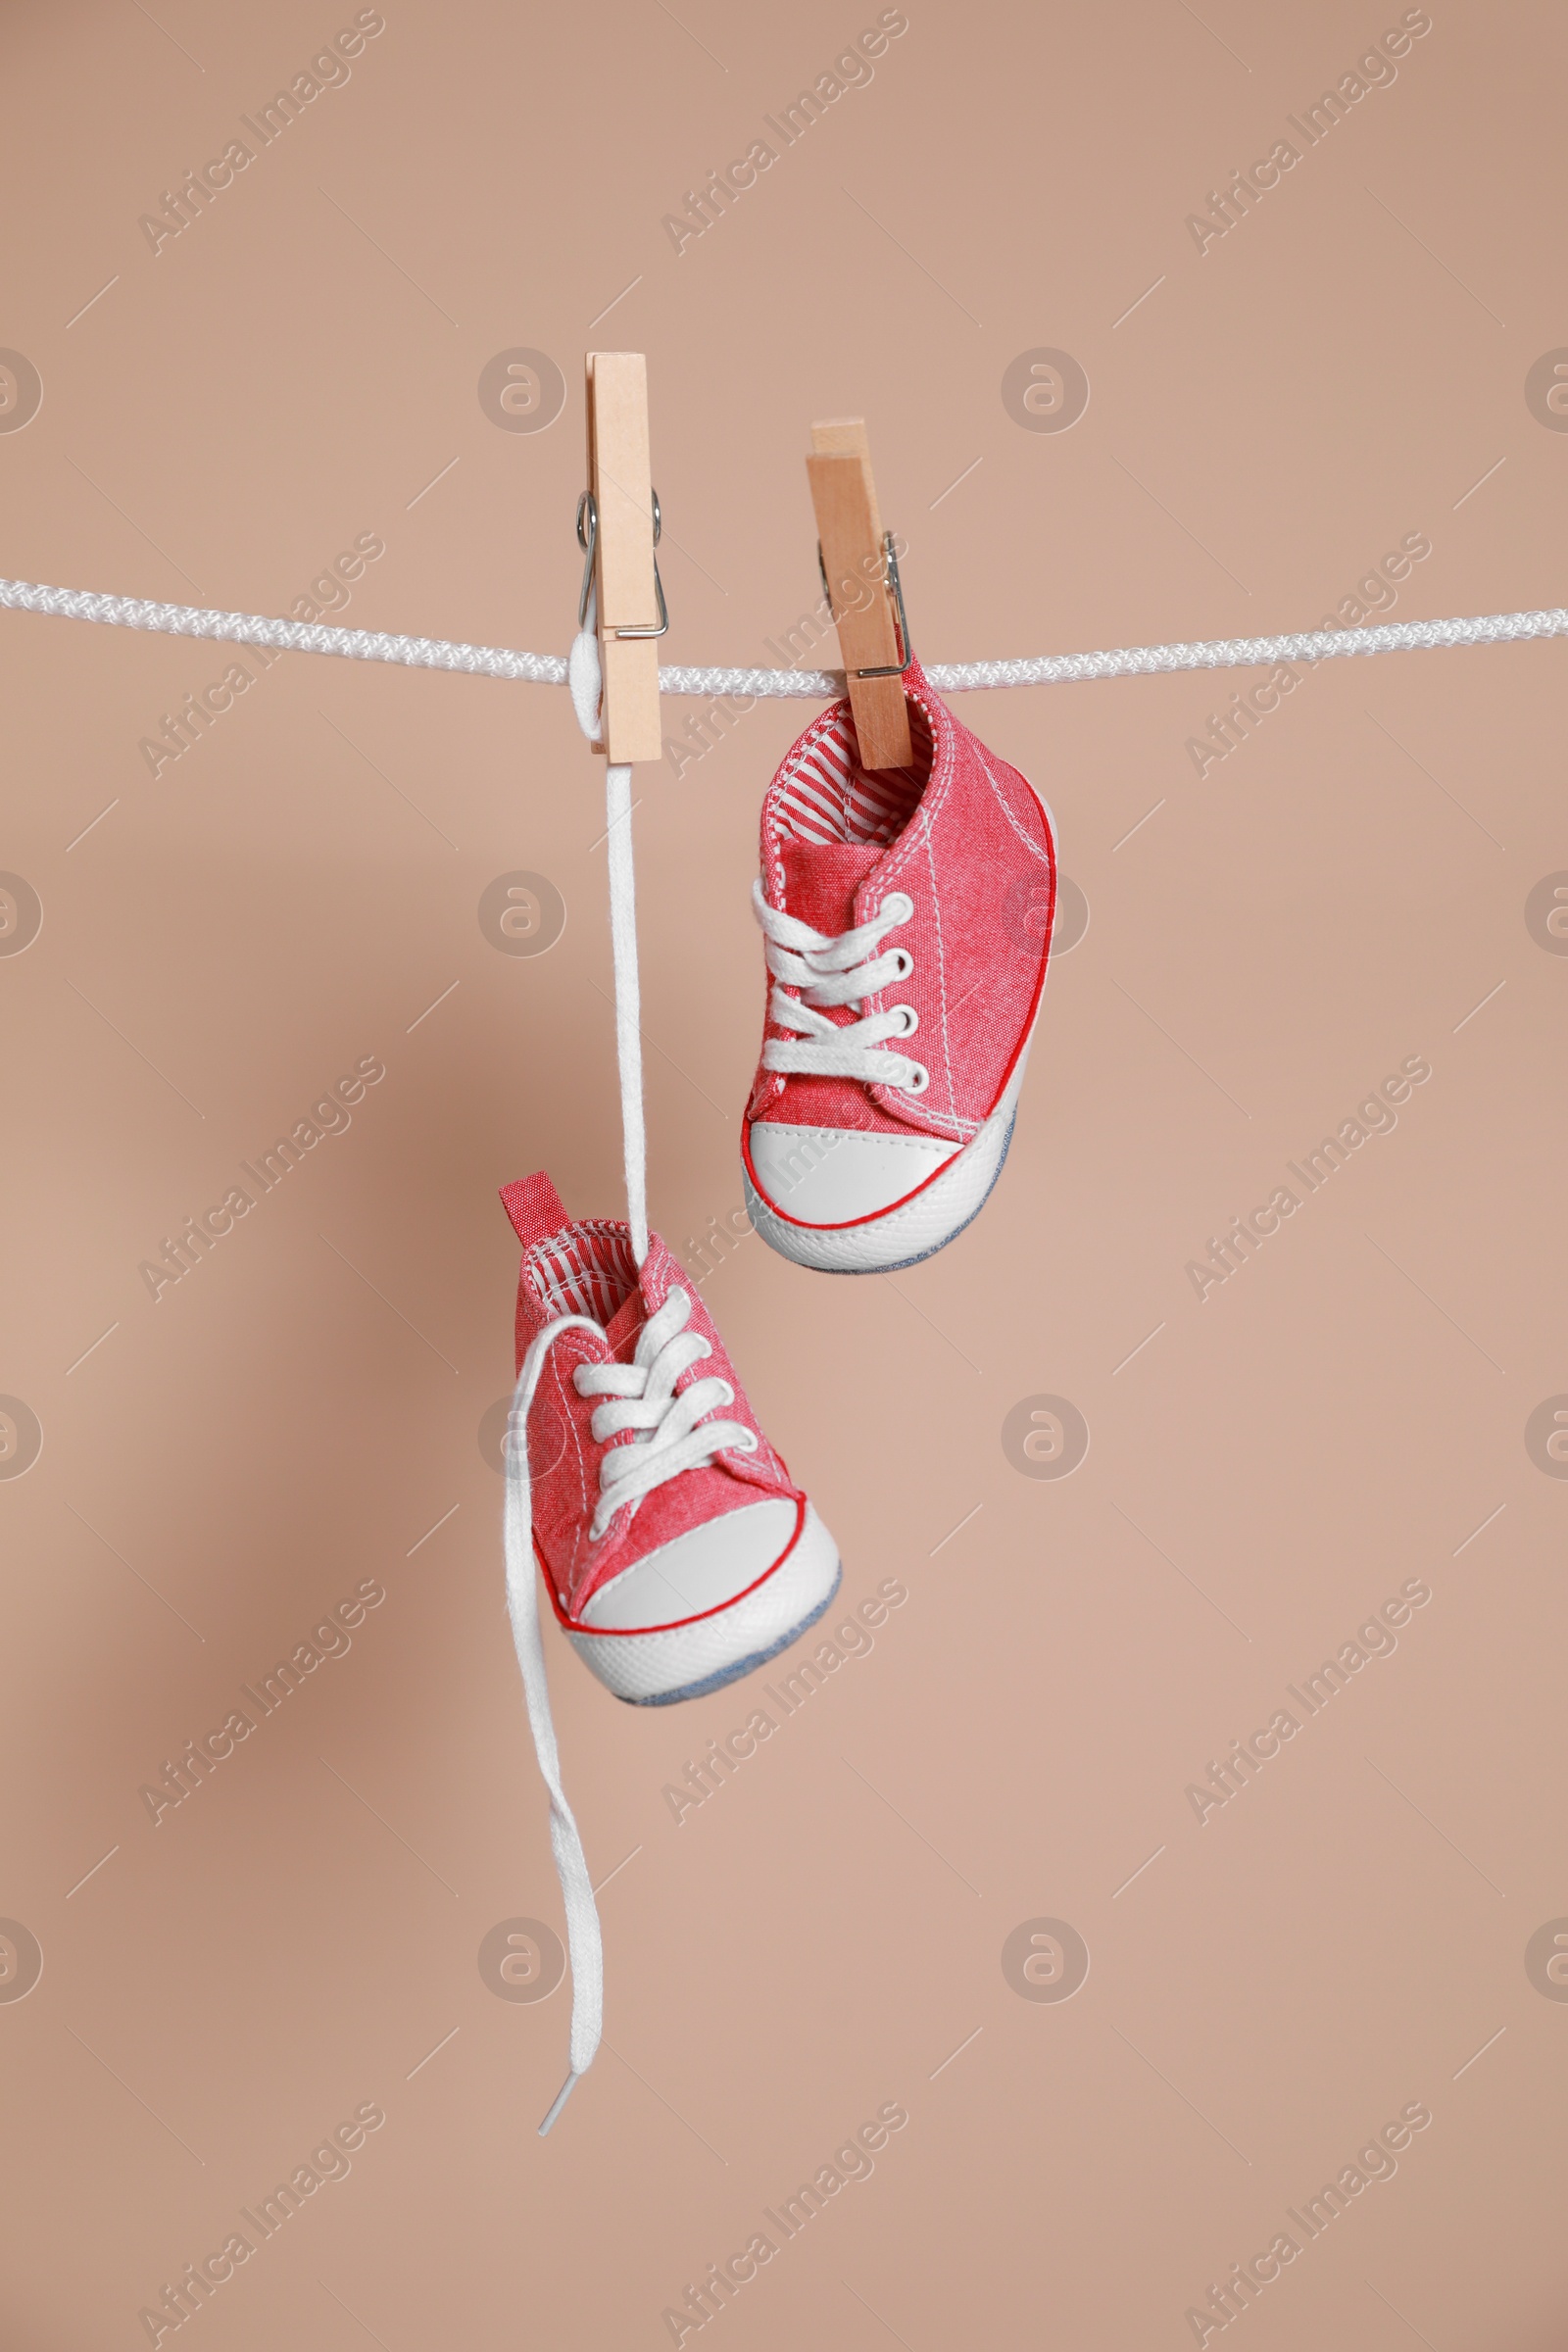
(674, 1438)
(842, 968)
(645, 1393)
(583, 1939)
(583, 677)
(674, 1435)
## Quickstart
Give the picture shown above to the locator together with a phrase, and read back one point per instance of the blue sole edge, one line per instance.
(745, 1665)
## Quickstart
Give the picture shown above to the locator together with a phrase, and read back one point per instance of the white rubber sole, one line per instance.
(923, 1225)
(656, 1669)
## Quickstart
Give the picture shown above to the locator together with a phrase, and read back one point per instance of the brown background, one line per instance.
(293, 371)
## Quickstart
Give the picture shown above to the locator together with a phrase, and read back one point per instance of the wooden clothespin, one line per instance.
(861, 573)
(617, 527)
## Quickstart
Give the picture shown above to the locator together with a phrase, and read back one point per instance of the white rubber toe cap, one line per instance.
(837, 1175)
(721, 1629)
(702, 1569)
(915, 1224)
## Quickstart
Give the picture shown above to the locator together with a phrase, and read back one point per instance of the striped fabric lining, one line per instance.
(589, 1271)
(832, 799)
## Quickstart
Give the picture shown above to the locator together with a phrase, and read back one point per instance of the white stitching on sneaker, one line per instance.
(1041, 855)
(584, 1496)
(843, 969)
(942, 982)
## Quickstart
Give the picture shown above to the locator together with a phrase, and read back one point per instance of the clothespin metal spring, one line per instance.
(889, 570)
(588, 541)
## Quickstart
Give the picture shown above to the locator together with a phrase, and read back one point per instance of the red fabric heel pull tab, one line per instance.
(535, 1207)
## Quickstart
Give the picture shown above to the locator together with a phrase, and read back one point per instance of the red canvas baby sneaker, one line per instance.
(677, 1552)
(907, 916)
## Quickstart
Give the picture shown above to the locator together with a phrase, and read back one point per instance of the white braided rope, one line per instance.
(1243, 652)
(288, 636)
(816, 685)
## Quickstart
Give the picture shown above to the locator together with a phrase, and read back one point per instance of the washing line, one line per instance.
(963, 677)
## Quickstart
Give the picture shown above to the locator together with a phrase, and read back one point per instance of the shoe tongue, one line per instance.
(822, 878)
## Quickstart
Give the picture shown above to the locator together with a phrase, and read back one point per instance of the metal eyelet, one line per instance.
(905, 963)
(899, 898)
(917, 1081)
(912, 1019)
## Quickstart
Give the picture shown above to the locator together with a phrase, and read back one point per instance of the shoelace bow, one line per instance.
(832, 969)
